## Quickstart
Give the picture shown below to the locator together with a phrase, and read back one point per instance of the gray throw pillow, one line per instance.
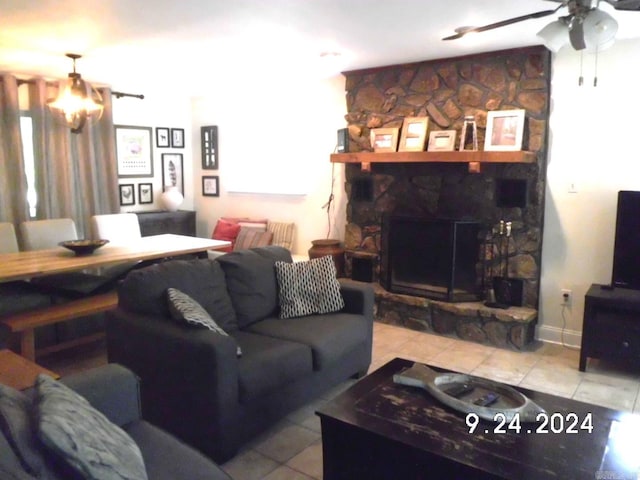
(15, 423)
(308, 287)
(184, 308)
(82, 437)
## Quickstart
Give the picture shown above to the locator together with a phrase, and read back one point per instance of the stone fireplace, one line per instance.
(446, 91)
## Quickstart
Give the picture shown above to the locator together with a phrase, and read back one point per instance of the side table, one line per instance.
(611, 325)
(18, 372)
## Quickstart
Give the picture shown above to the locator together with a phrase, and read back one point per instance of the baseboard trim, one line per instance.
(572, 338)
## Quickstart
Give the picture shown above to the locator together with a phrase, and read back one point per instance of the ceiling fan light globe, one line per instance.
(555, 35)
(600, 30)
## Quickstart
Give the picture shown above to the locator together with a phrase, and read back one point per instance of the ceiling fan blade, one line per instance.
(576, 34)
(504, 23)
(632, 5)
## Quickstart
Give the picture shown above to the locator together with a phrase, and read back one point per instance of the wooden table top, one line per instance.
(414, 418)
(18, 372)
(36, 263)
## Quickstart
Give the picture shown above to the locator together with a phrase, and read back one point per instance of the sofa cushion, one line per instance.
(308, 287)
(82, 437)
(185, 309)
(329, 336)
(15, 423)
(268, 363)
(251, 281)
(144, 290)
(167, 458)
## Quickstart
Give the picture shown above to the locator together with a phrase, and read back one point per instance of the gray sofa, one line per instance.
(193, 382)
(114, 390)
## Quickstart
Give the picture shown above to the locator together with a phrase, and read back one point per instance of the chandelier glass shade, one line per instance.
(77, 102)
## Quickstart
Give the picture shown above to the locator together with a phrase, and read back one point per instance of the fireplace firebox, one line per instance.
(430, 258)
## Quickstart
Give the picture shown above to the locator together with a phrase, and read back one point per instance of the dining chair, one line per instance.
(16, 296)
(43, 234)
(8, 240)
(119, 228)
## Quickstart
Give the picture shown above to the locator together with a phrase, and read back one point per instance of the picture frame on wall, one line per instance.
(162, 137)
(172, 174)
(134, 151)
(209, 147)
(414, 134)
(145, 193)
(442, 141)
(177, 138)
(127, 194)
(505, 129)
(211, 186)
(384, 139)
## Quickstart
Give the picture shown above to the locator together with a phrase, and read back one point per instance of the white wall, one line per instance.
(158, 110)
(592, 144)
(270, 133)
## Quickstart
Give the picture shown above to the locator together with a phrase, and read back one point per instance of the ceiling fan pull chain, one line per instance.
(595, 75)
(581, 78)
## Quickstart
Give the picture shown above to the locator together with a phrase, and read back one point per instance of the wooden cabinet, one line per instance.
(611, 326)
(157, 222)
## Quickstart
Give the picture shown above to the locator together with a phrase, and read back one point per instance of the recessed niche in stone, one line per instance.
(511, 193)
(362, 189)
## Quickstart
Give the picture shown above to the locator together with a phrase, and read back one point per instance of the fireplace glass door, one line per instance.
(431, 258)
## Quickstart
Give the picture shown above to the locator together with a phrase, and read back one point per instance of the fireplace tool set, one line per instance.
(503, 291)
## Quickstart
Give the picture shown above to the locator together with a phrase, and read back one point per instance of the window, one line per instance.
(26, 130)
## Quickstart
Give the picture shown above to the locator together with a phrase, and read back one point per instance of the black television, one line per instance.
(626, 251)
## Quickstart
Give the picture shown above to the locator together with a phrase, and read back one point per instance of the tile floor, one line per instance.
(292, 449)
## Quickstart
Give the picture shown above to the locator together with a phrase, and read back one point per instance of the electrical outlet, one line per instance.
(566, 297)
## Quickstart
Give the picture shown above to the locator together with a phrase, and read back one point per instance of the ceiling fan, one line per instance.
(585, 27)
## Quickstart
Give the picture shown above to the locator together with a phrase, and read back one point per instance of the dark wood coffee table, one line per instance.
(379, 430)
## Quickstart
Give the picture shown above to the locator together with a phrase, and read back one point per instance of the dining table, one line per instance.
(32, 264)
(38, 263)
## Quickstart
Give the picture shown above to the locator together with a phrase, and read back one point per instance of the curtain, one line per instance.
(76, 174)
(13, 181)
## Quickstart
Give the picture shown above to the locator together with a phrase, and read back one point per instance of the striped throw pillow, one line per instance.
(184, 308)
(308, 287)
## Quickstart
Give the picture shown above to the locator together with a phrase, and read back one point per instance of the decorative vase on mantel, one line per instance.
(331, 247)
(171, 198)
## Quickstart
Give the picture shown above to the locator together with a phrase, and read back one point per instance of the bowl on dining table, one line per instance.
(84, 246)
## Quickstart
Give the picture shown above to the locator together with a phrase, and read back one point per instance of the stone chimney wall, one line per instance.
(446, 91)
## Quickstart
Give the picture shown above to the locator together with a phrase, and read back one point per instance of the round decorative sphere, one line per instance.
(171, 199)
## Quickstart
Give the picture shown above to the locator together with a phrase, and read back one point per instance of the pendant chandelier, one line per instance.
(77, 103)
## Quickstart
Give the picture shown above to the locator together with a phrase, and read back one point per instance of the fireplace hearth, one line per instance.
(429, 258)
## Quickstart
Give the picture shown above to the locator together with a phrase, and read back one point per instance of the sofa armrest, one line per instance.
(358, 297)
(189, 376)
(112, 389)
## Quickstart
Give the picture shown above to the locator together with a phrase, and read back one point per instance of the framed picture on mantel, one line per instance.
(384, 139)
(504, 130)
(414, 134)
